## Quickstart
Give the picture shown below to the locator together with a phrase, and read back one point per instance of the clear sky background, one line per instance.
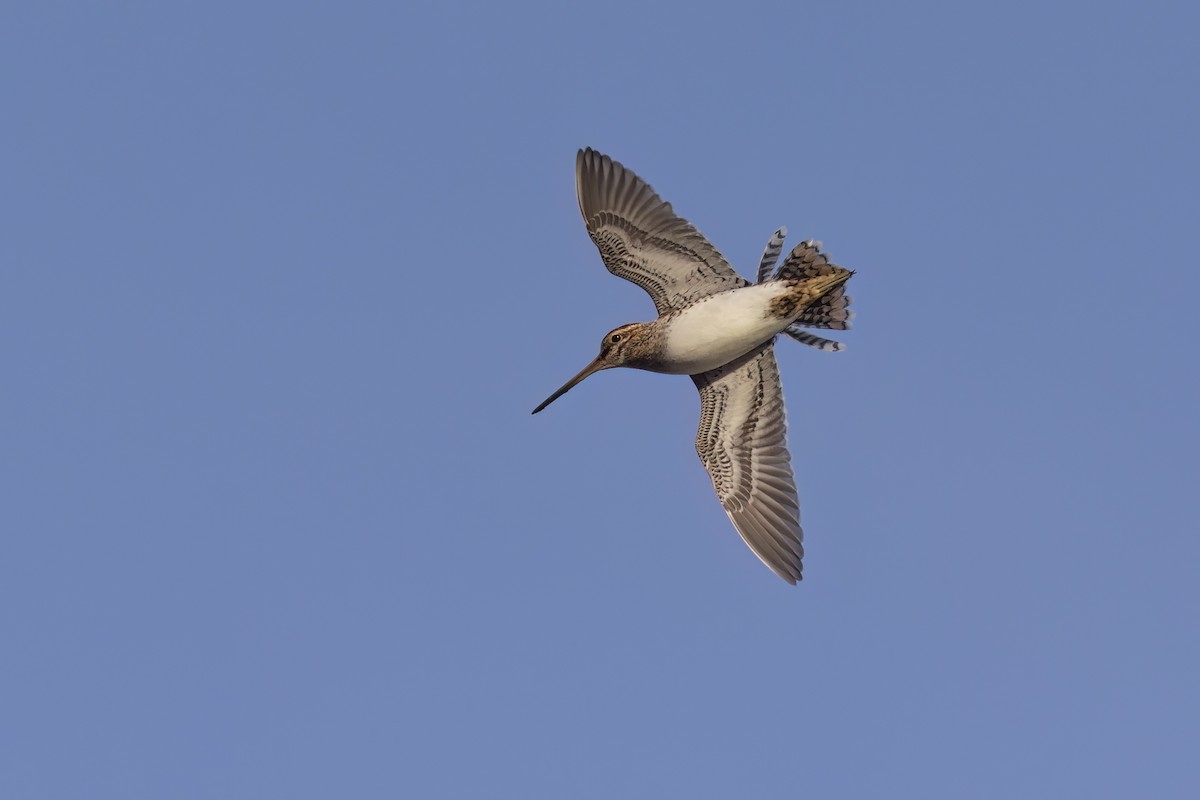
(280, 284)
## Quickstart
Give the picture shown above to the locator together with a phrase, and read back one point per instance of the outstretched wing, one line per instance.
(642, 240)
(742, 442)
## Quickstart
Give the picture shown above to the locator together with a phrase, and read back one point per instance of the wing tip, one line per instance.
(783, 555)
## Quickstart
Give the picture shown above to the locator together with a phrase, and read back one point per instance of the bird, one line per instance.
(720, 329)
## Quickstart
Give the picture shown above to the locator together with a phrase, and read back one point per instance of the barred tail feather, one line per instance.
(771, 255)
(831, 311)
(804, 337)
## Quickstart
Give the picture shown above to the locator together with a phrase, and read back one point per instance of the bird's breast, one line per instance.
(720, 328)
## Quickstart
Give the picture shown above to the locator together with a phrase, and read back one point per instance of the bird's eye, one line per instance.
(616, 337)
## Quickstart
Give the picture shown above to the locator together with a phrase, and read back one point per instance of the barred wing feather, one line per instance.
(642, 240)
(742, 443)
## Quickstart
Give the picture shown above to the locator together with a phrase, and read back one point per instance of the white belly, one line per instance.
(720, 328)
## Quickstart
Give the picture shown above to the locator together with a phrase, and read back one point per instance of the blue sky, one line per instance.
(282, 282)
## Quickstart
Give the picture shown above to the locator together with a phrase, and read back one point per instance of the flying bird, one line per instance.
(720, 329)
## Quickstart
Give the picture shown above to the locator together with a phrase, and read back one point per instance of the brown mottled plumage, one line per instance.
(720, 329)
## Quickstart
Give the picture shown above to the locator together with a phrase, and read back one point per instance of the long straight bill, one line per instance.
(593, 367)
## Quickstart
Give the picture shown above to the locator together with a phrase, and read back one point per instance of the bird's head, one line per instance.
(620, 347)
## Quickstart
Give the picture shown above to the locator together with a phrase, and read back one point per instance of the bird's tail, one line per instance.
(831, 310)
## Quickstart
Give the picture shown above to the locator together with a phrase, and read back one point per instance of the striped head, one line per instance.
(630, 345)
